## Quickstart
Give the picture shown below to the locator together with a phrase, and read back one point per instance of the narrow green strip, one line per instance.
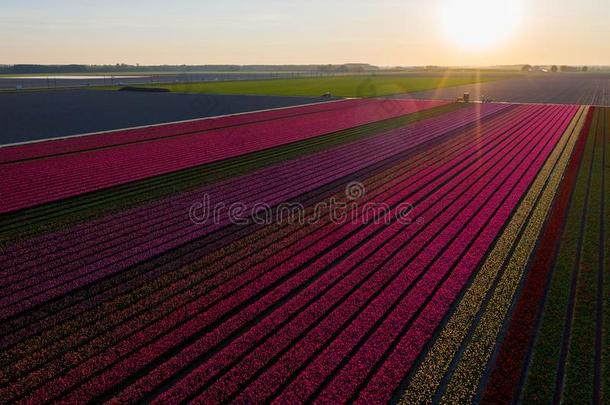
(581, 355)
(542, 373)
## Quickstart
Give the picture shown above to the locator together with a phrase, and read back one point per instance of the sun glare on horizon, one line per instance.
(478, 24)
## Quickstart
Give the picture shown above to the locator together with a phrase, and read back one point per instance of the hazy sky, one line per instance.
(382, 32)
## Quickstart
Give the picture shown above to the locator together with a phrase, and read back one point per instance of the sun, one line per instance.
(479, 24)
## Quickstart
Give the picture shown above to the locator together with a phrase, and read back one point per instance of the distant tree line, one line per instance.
(121, 67)
(554, 68)
(347, 68)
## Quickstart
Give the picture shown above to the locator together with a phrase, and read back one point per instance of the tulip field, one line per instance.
(363, 250)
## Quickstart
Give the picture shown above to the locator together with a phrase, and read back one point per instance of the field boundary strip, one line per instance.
(426, 380)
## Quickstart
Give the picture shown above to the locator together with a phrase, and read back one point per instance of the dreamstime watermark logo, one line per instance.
(353, 208)
(355, 190)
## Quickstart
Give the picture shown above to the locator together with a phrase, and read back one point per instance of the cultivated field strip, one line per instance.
(66, 176)
(413, 295)
(45, 218)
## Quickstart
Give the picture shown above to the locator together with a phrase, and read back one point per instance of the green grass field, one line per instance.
(342, 86)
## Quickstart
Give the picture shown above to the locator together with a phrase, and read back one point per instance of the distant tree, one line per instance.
(585, 69)
(526, 68)
(554, 69)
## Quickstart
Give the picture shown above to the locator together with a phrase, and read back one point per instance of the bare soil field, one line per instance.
(40, 115)
(67, 80)
(558, 88)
